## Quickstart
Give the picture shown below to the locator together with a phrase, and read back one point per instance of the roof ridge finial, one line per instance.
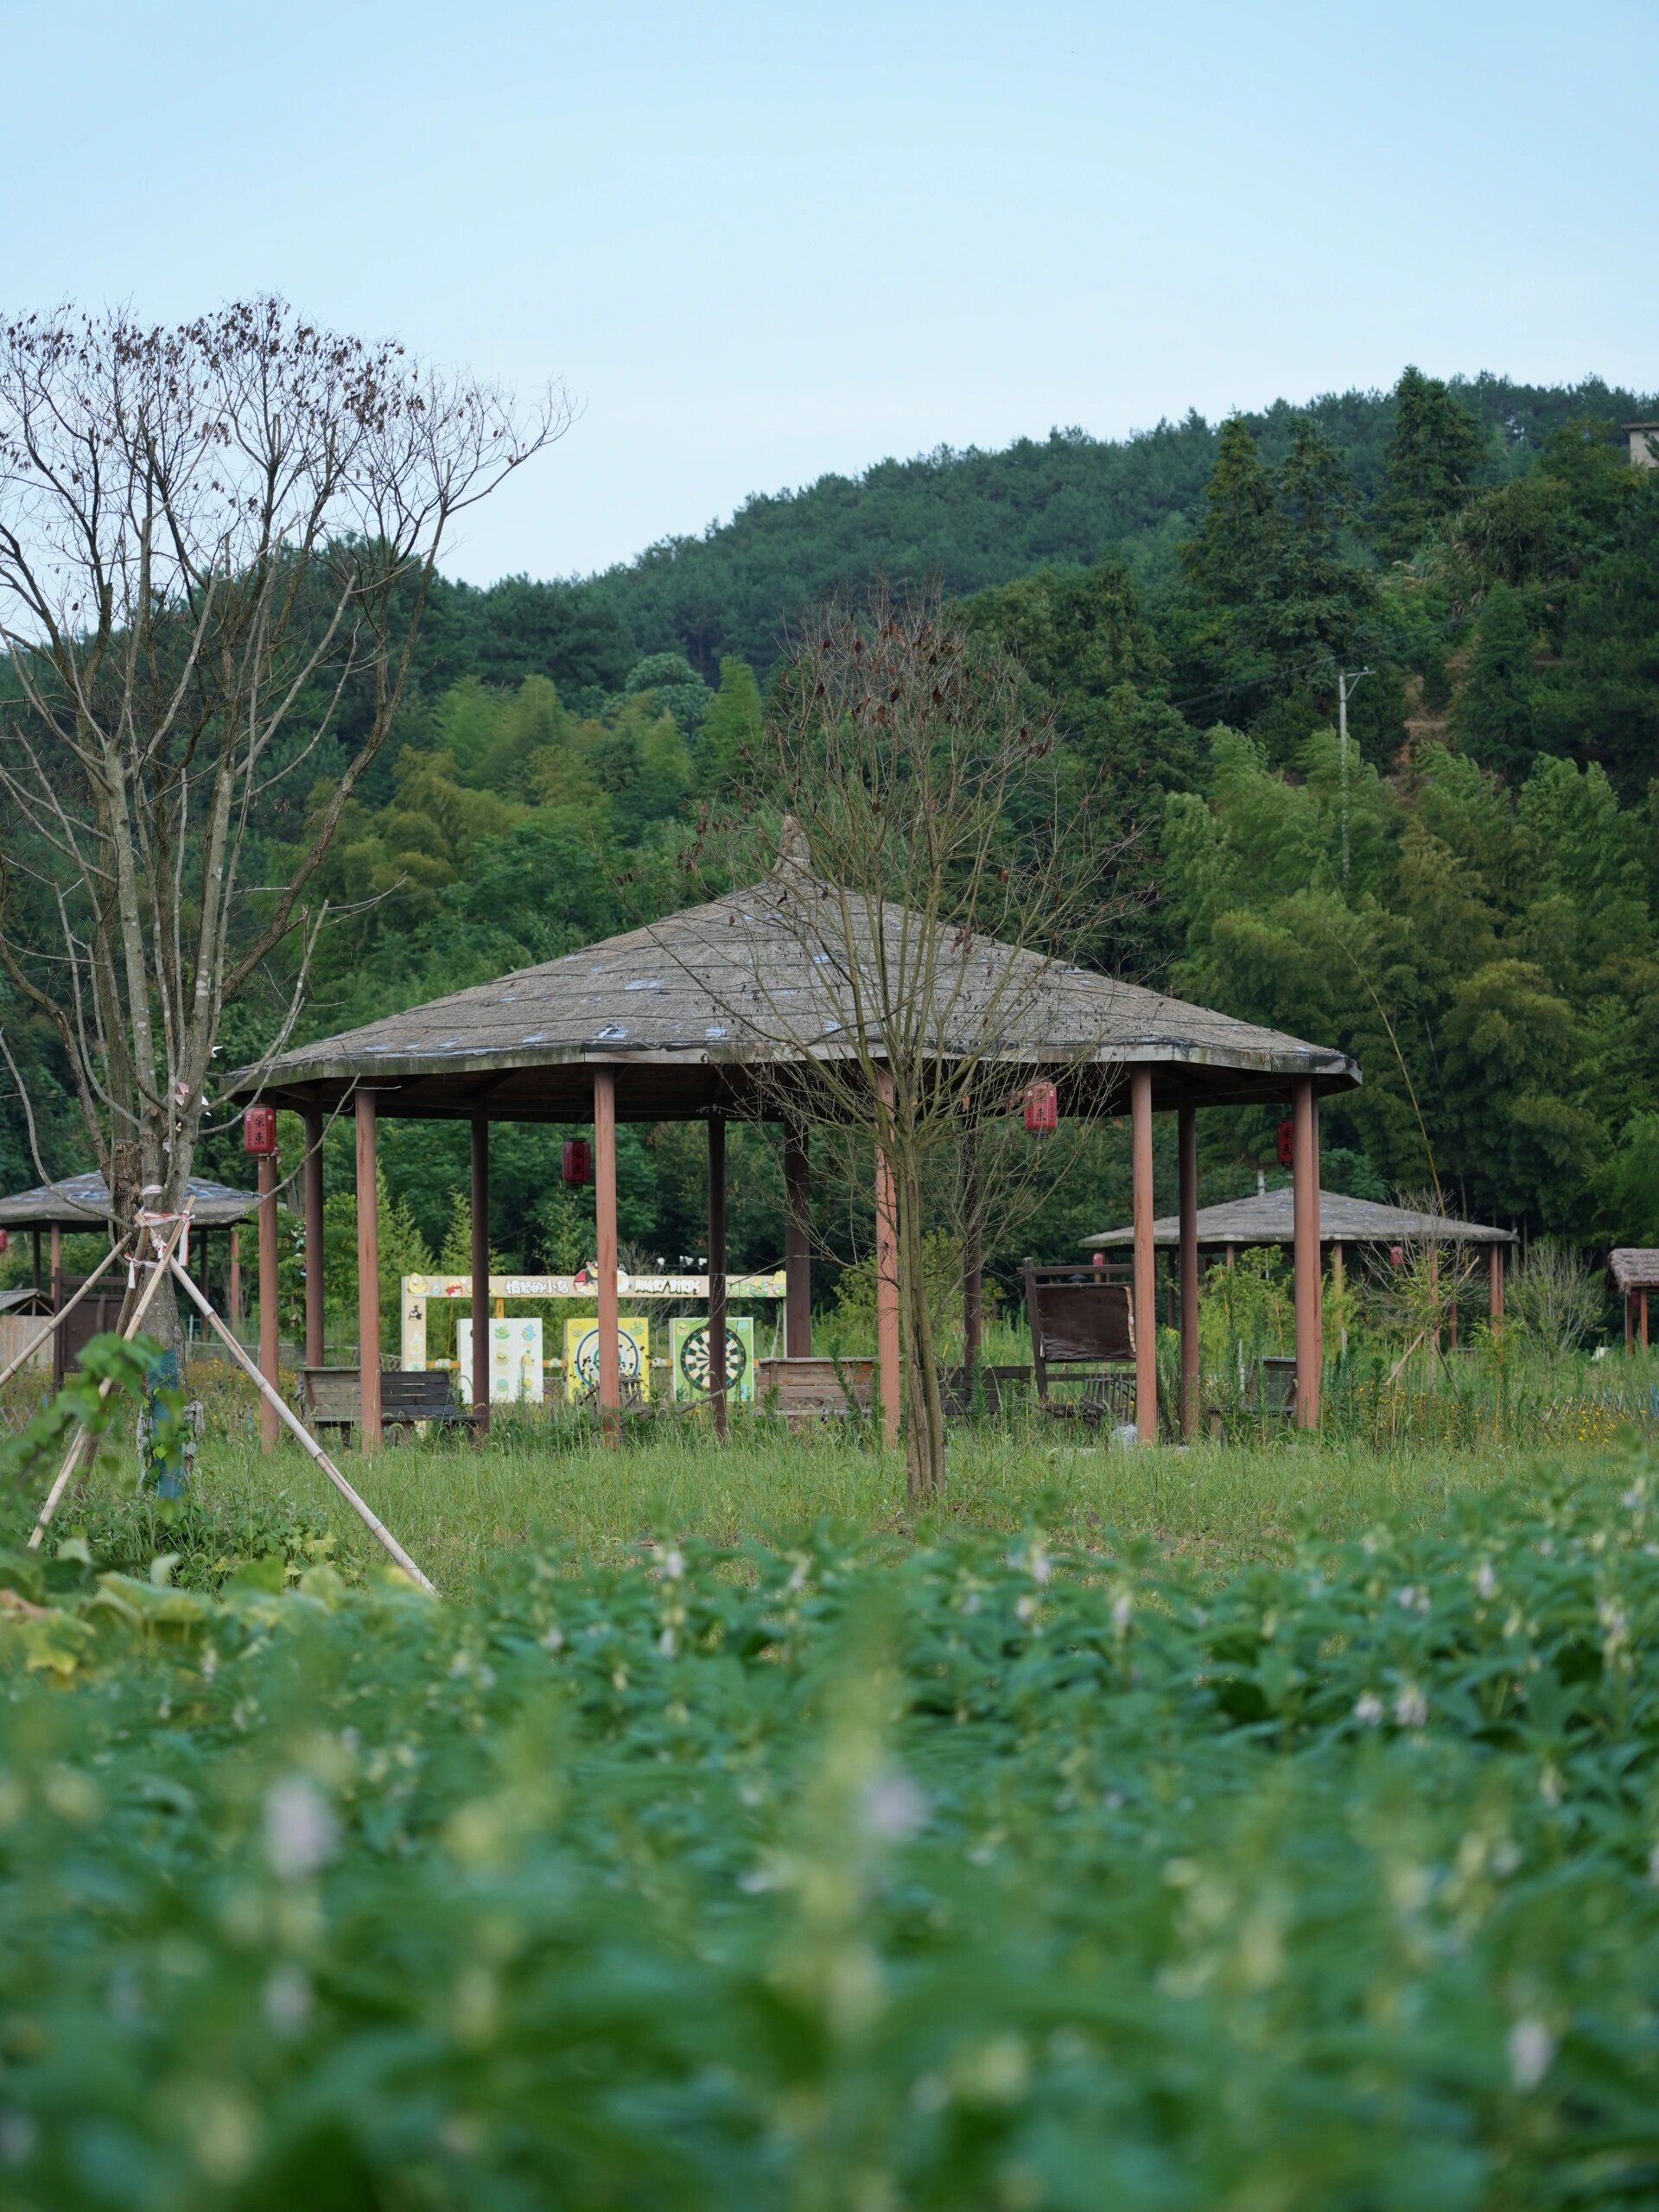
(793, 851)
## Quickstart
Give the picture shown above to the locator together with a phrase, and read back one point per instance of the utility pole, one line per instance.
(1347, 678)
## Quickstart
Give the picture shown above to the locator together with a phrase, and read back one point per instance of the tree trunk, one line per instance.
(923, 1408)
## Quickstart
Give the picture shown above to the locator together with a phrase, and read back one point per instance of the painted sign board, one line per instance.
(690, 1367)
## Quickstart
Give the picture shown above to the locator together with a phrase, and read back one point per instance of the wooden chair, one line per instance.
(1082, 1342)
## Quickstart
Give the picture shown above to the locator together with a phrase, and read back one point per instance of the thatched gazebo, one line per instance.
(1269, 1217)
(80, 1203)
(716, 1013)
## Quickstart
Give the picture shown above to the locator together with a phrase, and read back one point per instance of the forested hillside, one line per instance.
(1468, 900)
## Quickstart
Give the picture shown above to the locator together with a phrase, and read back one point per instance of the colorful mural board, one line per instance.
(690, 1367)
(633, 1354)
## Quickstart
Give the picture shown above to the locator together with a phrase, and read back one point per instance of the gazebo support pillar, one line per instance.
(479, 1378)
(368, 1272)
(973, 1264)
(1187, 1147)
(889, 1359)
(1305, 1215)
(610, 1369)
(798, 1251)
(313, 1185)
(236, 1277)
(1642, 1311)
(1146, 1257)
(717, 1270)
(1495, 1279)
(270, 1343)
(57, 1267)
(35, 1270)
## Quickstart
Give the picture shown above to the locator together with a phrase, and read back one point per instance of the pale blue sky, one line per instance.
(761, 242)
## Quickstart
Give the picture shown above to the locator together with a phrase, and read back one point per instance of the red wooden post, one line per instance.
(887, 1282)
(1642, 1309)
(480, 1258)
(973, 1261)
(270, 1426)
(236, 1277)
(1187, 1147)
(1495, 1280)
(717, 1270)
(798, 1251)
(368, 1272)
(314, 1352)
(1146, 1257)
(1305, 1212)
(610, 1373)
(57, 1267)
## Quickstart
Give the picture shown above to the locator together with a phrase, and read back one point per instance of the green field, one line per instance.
(1264, 1828)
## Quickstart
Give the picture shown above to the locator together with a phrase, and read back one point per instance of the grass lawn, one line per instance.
(456, 1508)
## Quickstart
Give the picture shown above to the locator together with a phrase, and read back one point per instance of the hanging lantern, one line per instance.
(1287, 1144)
(1042, 1104)
(576, 1162)
(4, 1239)
(259, 1131)
(1396, 1255)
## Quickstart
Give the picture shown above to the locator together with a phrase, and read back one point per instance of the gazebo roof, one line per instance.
(1266, 1218)
(694, 1004)
(1635, 1266)
(83, 1202)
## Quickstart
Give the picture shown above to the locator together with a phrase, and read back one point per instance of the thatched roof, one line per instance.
(1265, 1219)
(83, 1202)
(777, 974)
(1635, 1267)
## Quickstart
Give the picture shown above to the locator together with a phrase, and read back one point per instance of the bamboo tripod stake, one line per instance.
(365, 1512)
(158, 1267)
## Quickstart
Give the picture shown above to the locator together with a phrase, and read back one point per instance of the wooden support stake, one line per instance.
(973, 1261)
(303, 1435)
(1495, 1280)
(1146, 1257)
(236, 1276)
(158, 1267)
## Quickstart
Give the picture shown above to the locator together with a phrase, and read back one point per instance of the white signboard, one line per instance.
(515, 1359)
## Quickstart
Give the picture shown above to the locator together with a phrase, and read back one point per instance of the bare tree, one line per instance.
(937, 877)
(213, 538)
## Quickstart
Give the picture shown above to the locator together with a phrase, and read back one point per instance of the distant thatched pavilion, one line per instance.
(681, 1021)
(1269, 1217)
(80, 1203)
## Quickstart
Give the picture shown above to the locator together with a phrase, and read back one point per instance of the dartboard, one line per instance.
(627, 1357)
(696, 1365)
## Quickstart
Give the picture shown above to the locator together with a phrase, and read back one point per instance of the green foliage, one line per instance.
(1554, 1298)
(125, 1365)
(1434, 453)
(975, 1871)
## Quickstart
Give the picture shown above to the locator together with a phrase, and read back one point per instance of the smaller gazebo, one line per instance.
(82, 1203)
(1635, 1269)
(1269, 1217)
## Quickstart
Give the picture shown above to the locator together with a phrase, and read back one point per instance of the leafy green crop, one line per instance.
(852, 1876)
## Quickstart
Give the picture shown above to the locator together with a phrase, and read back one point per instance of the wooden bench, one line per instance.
(333, 1397)
(805, 1390)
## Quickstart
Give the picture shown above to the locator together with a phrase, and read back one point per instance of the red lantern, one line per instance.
(259, 1130)
(5, 1239)
(1396, 1255)
(1287, 1144)
(1042, 1109)
(577, 1163)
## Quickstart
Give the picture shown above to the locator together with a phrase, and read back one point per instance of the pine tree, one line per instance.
(1240, 534)
(1493, 719)
(1428, 464)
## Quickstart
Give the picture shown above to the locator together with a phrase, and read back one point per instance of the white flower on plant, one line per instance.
(1485, 1579)
(1532, 2053)
(667, 1645)
(288, 2001)
(895, 1807)
(1410, 1706)
(299, 1833)
(553, 1639)
(1411, 1600)
(1123, 1611)
(671, 1563)
(1369, 1709)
